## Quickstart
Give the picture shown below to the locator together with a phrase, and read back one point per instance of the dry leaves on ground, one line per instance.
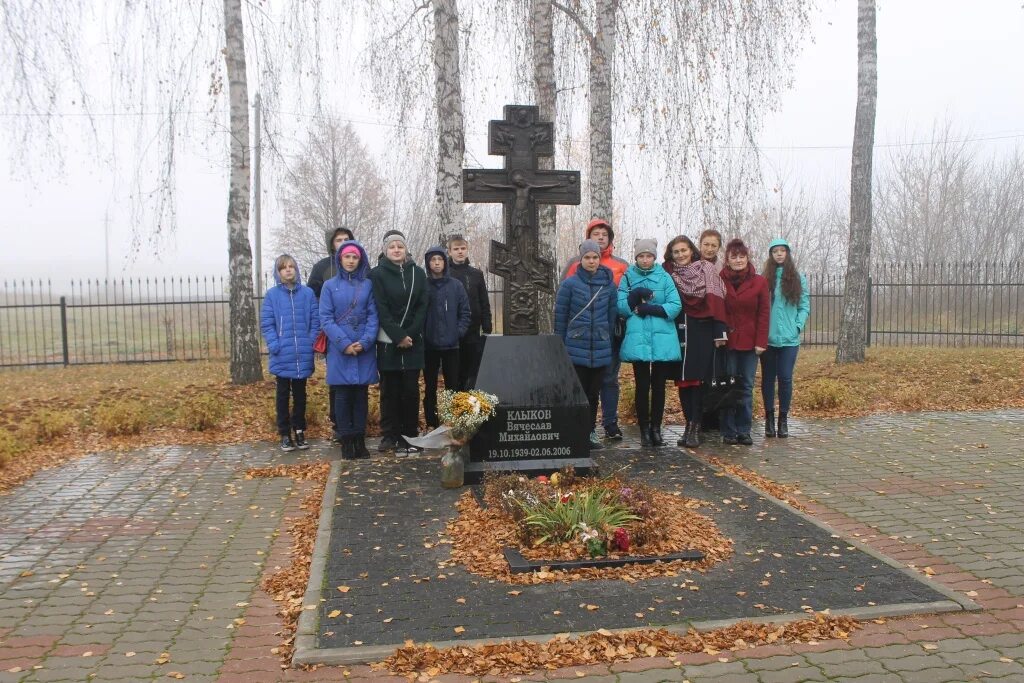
(288, 585)
(479, 536)
(522, 657)
(783, 492)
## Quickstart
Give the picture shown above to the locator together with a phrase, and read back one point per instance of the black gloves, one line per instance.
(638, 296)
(644, 310)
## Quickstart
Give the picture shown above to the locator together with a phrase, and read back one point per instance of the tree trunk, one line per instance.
(853, 328)
(245, 348)
(451, 143)
(545, 96)
(602, 59)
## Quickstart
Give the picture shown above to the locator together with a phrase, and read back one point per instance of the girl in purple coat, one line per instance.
(348, 315)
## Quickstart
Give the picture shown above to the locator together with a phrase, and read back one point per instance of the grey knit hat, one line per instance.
(393, 236)
(645, 246)
(588, 246)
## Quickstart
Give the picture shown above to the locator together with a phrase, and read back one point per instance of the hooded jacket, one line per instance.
(585, 309)
(290, 323)
(348, 314)
(787, 319)
(747, 309)
(393, 287)
(448, 311)
(479, 301)
(326, 268)
(613, 263)
(650, 338)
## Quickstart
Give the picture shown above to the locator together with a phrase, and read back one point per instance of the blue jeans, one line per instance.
(736, 420)
(777, 363)
(350, 408)
(610, 393)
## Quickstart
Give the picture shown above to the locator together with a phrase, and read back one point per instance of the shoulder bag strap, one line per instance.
(587, 306)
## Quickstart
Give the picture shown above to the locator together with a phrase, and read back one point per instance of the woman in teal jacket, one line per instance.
(649, 301)
(791, 304)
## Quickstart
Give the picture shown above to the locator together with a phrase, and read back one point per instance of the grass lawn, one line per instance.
(50, 415)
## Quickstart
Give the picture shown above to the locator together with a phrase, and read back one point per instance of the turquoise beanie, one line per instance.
(779, 242)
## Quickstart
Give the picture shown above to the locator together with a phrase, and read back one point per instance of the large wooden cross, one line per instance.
(520, 187)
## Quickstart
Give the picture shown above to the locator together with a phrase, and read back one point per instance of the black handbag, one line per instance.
(724, 390)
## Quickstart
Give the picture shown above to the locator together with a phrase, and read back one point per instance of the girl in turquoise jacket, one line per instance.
(790, 307)
(649, 301)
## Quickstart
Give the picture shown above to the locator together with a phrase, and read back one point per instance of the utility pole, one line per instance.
(258, 199)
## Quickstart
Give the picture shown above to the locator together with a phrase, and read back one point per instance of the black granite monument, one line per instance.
(541, 421)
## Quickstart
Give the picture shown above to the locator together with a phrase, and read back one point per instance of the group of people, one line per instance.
(386, 323)
(688, 321)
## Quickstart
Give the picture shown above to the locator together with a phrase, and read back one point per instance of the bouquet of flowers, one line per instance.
(464, 412)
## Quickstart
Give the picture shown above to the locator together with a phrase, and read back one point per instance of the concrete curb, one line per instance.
(309, 620)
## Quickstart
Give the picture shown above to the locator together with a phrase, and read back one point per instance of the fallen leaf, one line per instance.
(334, 613)
(344, 589)
(459, 629)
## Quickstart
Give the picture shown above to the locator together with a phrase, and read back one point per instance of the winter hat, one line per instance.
(645, 246)
(393, 236)
(737, 246)
(588, 246)
(779, 242)
(596, 222)
(349, 249)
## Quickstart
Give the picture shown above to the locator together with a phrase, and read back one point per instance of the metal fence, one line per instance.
(169, 319)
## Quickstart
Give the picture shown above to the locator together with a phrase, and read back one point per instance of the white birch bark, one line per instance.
(602, 59)
(544, 88)
(245, 367)
(852, 329)
(451, 144)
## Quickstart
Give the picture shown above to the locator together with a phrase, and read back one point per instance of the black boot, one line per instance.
(783, 425)
(698, 431)
(645, 435)
(693, 436)
(686, 435)
(656, 439)
(348, 448)
(360, 446)
(769, 423)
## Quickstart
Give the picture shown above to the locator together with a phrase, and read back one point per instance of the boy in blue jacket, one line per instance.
(290, 322)
(448, 317)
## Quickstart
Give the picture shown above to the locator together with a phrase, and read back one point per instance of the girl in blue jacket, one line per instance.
(649, 301)
(290, 325)
(348, 316)
(585, 311)
(790, 307)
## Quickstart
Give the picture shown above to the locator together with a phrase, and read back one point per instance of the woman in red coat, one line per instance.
(747, 305)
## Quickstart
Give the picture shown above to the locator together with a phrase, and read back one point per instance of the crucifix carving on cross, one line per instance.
(520, 187)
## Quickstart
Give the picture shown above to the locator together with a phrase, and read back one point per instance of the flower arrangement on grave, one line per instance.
(461, 413)
(596, 517)
(464, 412)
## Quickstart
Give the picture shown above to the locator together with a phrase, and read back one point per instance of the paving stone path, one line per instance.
(113, 560)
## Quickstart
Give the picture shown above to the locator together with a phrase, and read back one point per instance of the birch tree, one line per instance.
(545, 95)
(245, 364)
(405, 45)
(852, 327)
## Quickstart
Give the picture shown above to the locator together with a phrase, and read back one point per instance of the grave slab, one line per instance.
(384, 520)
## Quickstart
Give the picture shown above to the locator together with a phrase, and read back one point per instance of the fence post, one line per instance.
(867, 317)
(64, 329)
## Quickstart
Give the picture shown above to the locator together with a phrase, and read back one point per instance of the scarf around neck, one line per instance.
(697, 279)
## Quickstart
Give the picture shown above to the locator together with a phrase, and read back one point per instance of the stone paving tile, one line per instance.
(916, 486)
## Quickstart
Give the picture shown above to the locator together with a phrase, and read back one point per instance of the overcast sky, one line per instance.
(937, 60)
